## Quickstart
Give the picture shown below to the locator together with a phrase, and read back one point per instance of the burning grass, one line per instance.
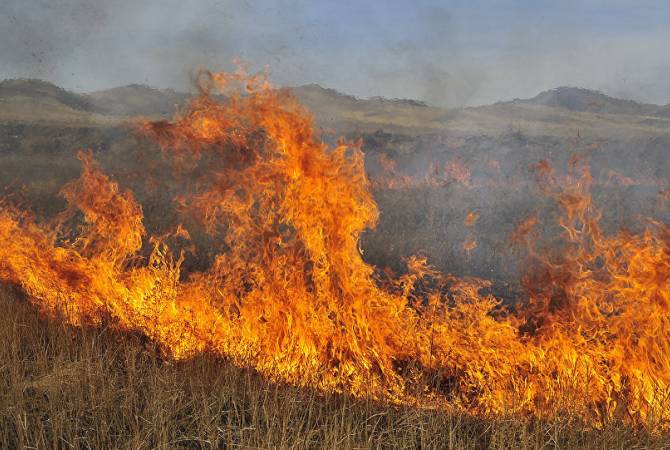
(289, 294)
(93, 387)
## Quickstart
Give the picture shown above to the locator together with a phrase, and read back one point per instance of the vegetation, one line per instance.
(64, 387)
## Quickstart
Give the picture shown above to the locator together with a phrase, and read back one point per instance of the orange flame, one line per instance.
(471, 218)
(290, 295)
(437, 175)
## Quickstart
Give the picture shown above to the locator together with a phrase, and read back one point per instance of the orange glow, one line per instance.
(614, 177)
(456, 171)
(471, 218)
(469, 245)
(437, 175)
(292, 297)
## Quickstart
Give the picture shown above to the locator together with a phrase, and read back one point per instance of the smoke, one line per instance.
(421, 75)
(91, 45)
(37, 37)
(461, 54)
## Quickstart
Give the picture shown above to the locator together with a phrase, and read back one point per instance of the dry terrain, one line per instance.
(65, 387)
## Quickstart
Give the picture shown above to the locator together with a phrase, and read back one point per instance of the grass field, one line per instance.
(94, 388)
(67, 387)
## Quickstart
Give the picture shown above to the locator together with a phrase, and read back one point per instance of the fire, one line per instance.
(437, 175)
(456, 171)
(614, 177)
(290, 295)
(469, 245)
(471, 218)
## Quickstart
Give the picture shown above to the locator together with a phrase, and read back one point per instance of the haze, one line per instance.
(447, 53)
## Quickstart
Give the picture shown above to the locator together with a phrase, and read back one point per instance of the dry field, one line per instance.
(66, 388)
(71, 387)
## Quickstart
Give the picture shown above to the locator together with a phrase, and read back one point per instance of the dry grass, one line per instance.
(95, 388)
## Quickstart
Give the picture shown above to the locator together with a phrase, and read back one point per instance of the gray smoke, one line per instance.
(449, 55)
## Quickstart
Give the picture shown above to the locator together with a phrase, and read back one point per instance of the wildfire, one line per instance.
(290, 295)
(437, 175)
(471, 218)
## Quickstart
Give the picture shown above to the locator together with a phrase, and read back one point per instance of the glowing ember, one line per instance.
(471, 218)
(290, 295)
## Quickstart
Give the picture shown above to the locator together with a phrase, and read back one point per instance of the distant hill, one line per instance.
(586, 100)
(31, 100)
(137, 100)
(32, 89)
(562, 111)
(314, 92)
(335, 109)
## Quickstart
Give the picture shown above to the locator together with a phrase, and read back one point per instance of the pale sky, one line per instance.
(447, 53)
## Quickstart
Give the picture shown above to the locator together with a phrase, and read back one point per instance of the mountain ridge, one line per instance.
(589, 100)
(572, 98)
(138, 100)
(30, 88)
(559, 111)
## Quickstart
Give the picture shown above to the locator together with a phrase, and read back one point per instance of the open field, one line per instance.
(69, 387)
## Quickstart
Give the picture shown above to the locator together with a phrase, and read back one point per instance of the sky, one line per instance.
(447, 53)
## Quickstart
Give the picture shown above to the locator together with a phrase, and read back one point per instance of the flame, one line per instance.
(469, 245)
(616, 178)
(290, 295)
(471, 218)
(437, 175)
(456, 171)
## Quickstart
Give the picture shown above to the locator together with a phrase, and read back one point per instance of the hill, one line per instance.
(334, 109)
(34, 89)
(137, 100)
(30, 100)
(562, 111)
(586, 100)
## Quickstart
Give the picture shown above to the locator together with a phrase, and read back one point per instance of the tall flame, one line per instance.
(290, 294)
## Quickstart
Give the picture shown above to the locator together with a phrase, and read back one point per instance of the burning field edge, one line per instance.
(94, 387)
(288, 294)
